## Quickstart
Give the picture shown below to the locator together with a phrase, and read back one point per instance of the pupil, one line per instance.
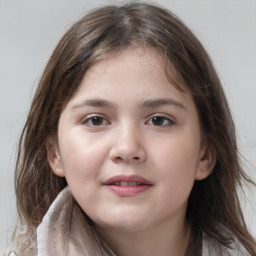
(97, 120)
(158, 120)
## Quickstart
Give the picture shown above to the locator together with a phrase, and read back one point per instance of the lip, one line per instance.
(127, 191)
(127, 178)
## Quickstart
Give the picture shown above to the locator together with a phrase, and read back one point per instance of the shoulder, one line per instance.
(25, 238)
(64, 230)
(23, 242)
(211, 247)
(11, 254)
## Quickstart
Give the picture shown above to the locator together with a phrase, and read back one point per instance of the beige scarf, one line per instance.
(65, 231)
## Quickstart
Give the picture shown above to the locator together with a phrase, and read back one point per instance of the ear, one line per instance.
(206, 162)
(53, 157)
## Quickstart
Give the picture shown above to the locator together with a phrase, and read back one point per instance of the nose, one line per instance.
(127, 146)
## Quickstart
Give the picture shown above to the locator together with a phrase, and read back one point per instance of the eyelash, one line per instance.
(164, 121)
(89, 119)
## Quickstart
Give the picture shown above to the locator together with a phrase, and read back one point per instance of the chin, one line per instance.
(122, 224)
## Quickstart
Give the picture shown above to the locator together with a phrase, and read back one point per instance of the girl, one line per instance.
(129, 147)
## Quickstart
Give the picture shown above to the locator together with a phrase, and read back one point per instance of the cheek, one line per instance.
(179, 152)
(177, 160)
(81, 156)
(81, 165)
(78, 142)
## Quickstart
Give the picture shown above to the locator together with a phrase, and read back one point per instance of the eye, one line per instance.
(160, 121)
(95, 121)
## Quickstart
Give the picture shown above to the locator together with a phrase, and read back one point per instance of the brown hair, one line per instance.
(214, 201)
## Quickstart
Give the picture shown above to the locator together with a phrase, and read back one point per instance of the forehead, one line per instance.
(151, 59)
(140, 65)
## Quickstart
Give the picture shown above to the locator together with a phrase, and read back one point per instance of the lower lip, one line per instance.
(128, 190)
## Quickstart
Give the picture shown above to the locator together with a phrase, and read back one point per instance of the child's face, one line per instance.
(130, 144)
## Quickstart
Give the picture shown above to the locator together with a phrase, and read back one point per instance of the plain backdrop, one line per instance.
(29, 31)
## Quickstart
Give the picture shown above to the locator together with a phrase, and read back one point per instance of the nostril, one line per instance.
(118, 159)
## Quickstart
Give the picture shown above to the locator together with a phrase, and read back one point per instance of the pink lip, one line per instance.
(126, 178)
(125, 191)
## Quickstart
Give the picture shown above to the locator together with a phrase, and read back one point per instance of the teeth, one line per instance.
(124, 184)
(127, 184)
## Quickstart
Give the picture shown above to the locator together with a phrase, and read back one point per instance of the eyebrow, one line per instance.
(162, 101)
(94, 103)
(150, 103)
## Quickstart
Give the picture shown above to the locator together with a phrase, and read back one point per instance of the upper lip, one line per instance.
(127, 178)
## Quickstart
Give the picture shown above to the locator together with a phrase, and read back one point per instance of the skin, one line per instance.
(134, 134)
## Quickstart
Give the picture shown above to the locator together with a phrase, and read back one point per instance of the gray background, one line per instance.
(29, 31)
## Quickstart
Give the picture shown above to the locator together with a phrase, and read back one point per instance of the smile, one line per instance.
(127, 186)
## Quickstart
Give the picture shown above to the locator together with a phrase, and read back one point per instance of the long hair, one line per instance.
(213, 201)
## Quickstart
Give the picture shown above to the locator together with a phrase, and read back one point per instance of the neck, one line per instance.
(161, 240)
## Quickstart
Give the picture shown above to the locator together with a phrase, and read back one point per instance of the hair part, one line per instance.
(96, 36)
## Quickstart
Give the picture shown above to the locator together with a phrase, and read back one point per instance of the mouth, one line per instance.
(124, 181)
(126, 186)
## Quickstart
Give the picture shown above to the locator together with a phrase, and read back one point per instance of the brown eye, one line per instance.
(95, 121)
(160, 121)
